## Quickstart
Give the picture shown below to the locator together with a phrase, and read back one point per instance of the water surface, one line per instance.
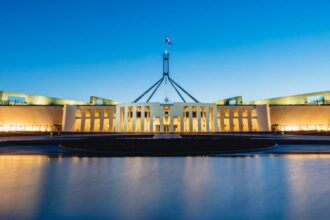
(268, 186)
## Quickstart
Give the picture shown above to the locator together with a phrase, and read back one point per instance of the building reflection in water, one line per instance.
(20, 184)
(175, 187)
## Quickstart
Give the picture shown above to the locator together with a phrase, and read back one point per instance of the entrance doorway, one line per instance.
(166, 128)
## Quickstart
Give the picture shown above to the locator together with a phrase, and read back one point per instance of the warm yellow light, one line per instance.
(21, 127)
(308, 127)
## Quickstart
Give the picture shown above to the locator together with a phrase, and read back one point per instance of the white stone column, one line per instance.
(199, 111)
(134, 118)
(101, 121)
(111, 117)
(182, 114)
(190, 118)
(207, 109)
(171, 115)
(151, 119)
(118, 118)
(249, 119)
(125, 118)
(69, 118)
(92, 120)
(142, 118)
(222, 120)
(231, 120)
(215, 118)
(83, 118)
(240, 119)
(161, 120)
(263, 118)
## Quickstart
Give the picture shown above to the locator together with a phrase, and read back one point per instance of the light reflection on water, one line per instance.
(262, 187)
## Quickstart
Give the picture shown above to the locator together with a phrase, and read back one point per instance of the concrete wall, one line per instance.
(299, 117)
(69, 118)
(30, 118)
(238, 118)
(263, 116)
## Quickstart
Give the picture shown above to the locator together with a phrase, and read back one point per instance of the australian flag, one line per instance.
(168, 40)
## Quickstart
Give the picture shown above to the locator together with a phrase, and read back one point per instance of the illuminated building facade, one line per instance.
(307, 112)
(24, 112)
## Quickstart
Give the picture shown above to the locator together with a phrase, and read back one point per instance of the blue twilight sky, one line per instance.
(74, 49)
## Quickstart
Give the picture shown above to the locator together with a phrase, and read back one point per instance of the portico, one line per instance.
(159, 117)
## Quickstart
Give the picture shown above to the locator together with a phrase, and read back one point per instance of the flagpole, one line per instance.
(165, 42)
(166, 71)
(165, 45)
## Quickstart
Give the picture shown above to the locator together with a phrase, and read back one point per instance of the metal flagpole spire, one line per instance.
(166, 76)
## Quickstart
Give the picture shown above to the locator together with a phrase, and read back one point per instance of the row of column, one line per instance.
(122, 118)
(175, 111)
(231, 118)
(157, 111)
(101, 118)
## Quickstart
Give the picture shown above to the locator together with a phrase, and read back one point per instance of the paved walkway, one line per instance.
(50, 146)
(157, 136)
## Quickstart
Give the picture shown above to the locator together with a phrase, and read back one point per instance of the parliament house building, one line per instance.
(33, 113)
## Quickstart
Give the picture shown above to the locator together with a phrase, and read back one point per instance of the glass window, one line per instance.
(235, 112)
(88, 113)
(78, 113)
(106, 113)
(78, 125)
(244, 113)
(16, 99)
(186, 111)
(226, 113)
(232, 102)
(254, 113)
(166, 110)
(97, 113)
(315, 99)
(138, 112)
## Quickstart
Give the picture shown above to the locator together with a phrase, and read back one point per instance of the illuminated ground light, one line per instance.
(18, 127)
(311, 127)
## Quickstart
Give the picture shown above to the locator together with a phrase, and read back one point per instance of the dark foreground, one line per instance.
(151, 146)
(163, 144)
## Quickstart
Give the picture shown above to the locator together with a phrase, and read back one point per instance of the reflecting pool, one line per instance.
(295, 186)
